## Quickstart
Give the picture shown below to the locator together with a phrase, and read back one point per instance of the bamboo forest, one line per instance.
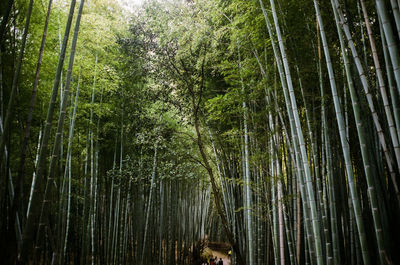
(218, 132)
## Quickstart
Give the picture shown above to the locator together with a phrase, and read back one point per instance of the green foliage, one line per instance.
(170, 65)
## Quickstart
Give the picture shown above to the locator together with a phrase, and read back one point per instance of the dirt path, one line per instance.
(224, 257)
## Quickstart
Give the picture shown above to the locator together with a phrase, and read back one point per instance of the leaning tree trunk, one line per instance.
(217, 197)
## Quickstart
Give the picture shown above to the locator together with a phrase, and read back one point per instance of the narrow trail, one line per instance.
(224, 257)
(220, 250)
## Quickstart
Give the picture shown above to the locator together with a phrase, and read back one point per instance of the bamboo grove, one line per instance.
(140, 134)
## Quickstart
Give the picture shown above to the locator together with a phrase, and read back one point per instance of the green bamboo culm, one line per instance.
(64, 102)
(247, 179)
(60, 126)
(363, 145)
(27, 236)
(153, 176)
(68, 171)
(295, 142)
(393, 124)
(390, 39)
(344, 142)
(307, 171)
(14, 86)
